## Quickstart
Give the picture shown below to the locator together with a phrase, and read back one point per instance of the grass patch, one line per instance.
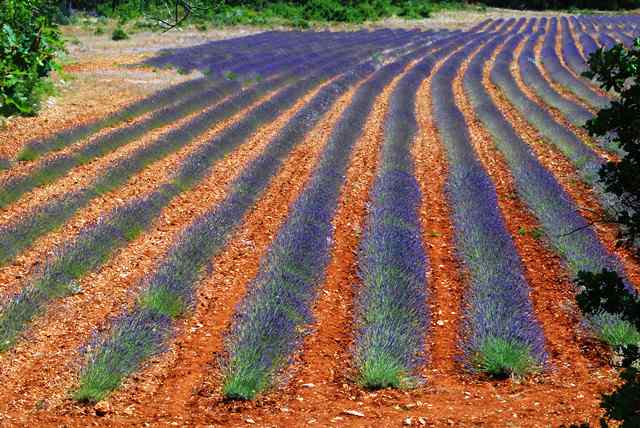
(133, 338)
(28, 154)
(501, 358)
(163, 301)
(244, 379)
(119, 34)
(614, 330)
(379, 371)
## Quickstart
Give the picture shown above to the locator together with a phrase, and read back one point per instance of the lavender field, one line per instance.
(363, 228)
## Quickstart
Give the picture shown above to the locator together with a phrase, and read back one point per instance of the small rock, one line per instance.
(102, 408)
(422, 421)
(407, 421)
(250, 421)
(353, 413)
(337, 418)
(308, 385)
(440, 322)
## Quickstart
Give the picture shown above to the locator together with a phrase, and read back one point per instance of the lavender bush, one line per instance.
(391, 312)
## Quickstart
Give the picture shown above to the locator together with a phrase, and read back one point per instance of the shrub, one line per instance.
(119, 34)
(564, 4)
(29, 42)
(618, 69)
(606, 292)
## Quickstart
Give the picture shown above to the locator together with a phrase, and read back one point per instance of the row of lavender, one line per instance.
(255, 62)
(169, 290)
(167, 296)
(500, 333)
(391, 308)
(282, 294)
(168, 106)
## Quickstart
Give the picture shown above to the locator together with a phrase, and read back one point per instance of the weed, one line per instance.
(119, 34)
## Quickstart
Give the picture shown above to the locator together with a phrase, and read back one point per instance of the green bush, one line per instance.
(565, 4)
(297, 13)
(618, 69)
(119, 34)
(29, 42)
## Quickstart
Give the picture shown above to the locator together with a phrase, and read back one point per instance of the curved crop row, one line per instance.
(500, 333)
(169, 290)
(391, 317)
(569, 50)
(249, 65)
(606, 41)
(203, 57)
(533, 78)
(558, 215)
(36, 148)
(579, 154)
(589, 45)
(562, 76)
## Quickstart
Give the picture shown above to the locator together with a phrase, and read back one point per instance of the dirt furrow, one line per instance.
(325, 358)
(21, 168)
(81, 175)
(73, 107)
(332, 333)
(558, 46)
(557, 115)
(446, 283)
(39, 372)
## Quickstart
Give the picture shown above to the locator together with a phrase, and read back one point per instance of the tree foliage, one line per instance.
(618, 69)
(565, 4)
(29, 42)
